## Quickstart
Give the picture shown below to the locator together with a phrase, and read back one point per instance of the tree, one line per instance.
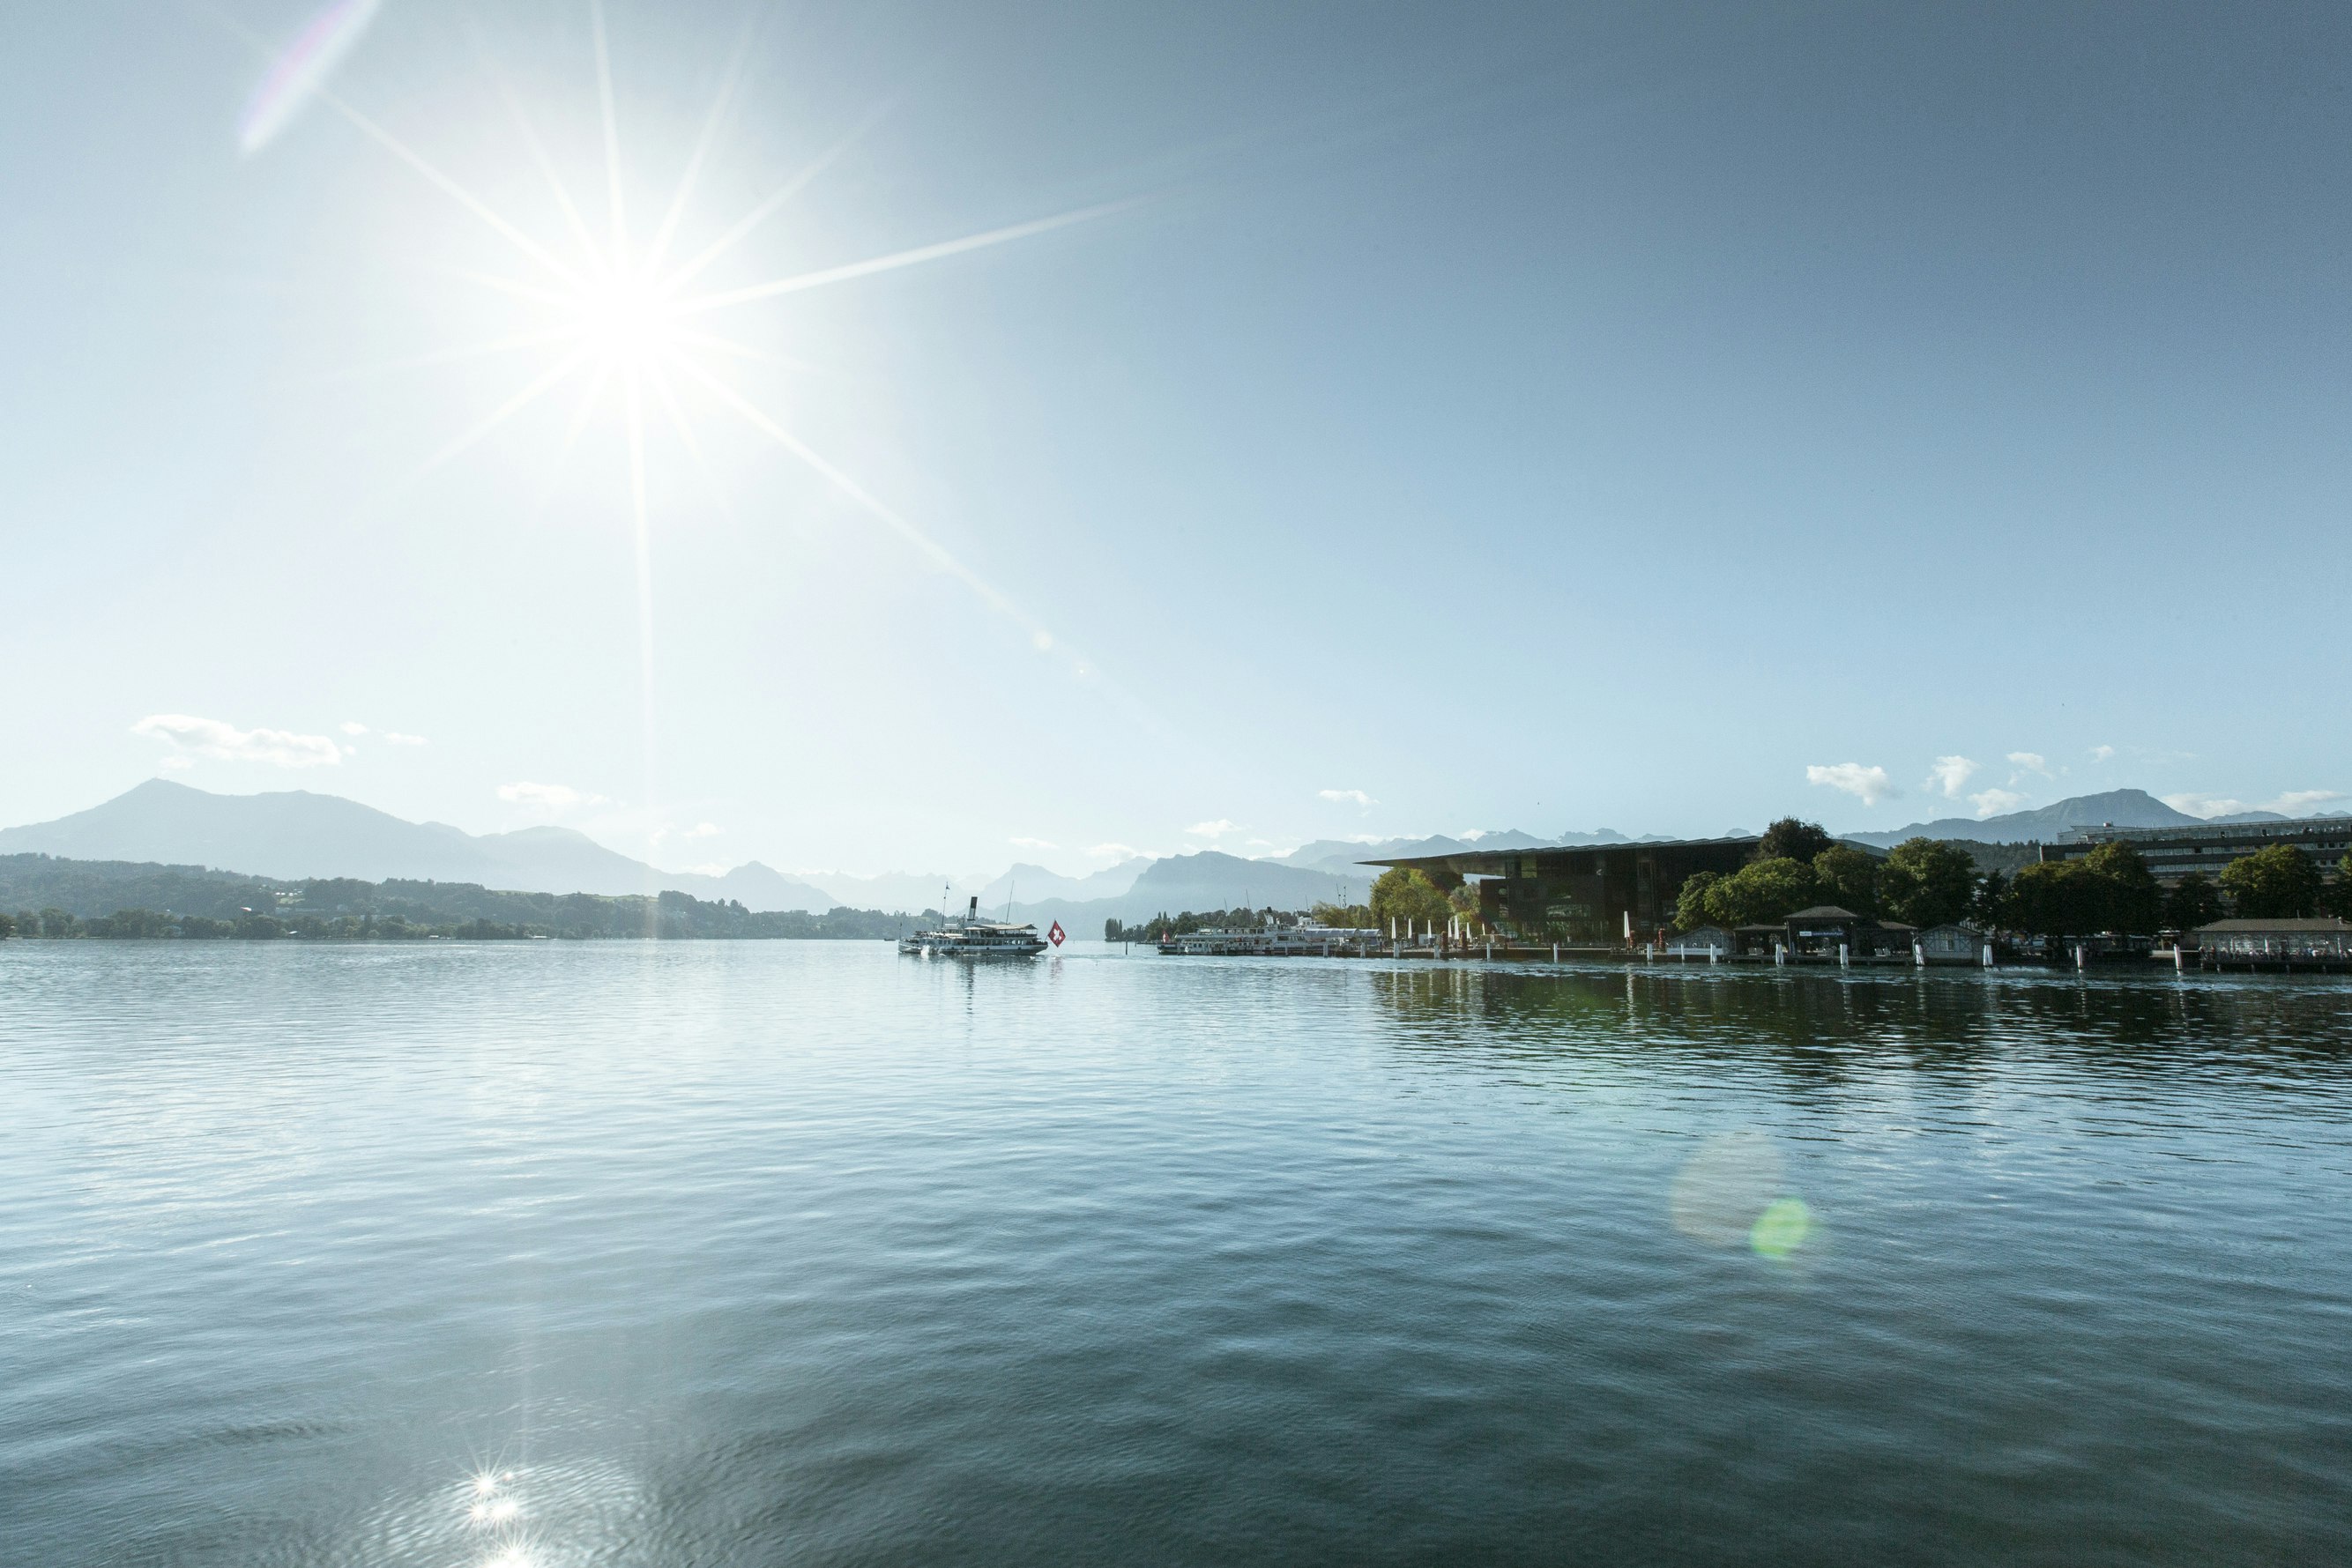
(2337, 898)
(1690, 904)
(1790, 839)
(1929, 883)
(1761, 891)
(1403, 894)
(2133, 901)
(2051, 898)
(2280, 882)
(7, 926)
(2195, 902)
(1845, 875)
(1991, 901)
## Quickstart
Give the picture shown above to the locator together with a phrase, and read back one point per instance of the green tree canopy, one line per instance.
(1404, 893)
(1991, 901)
(1690, 904)
(1929, 883)
(2134, 902)
(1790, 839)
(2337, 897)
(2053, 898)
(1845, 875)
(1761, 891)
(2195, 902)
(2280, 882)
(2102, 892)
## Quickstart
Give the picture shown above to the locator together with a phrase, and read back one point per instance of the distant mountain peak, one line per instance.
(2118, 807)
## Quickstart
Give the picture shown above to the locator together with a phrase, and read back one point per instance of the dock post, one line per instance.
(1987, 955)
(2078, 958)
(1918, 956)
(1842, 961)
(1555, 952)
(2177, 966)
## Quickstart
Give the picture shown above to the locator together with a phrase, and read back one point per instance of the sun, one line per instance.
(614, 307)
(627, 322)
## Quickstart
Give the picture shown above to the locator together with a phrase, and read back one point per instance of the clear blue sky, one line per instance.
(1544, 416)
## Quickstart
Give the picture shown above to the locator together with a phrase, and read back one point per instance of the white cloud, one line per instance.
(398, 738)
(2033, 762)
(353, 727)
(1869, 785)
(704, 830)
(2290, 803)
(550, 797)
(1033, 844)
(1216, 830)
(1341, 797)
(2101, 753)
(2295, 802)
(210, 738)
(1113, 853)
(1948, 774)
(1993, 803)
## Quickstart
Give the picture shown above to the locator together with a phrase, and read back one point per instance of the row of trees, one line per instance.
(670, 915)
(1922, 882)
(1926, 882)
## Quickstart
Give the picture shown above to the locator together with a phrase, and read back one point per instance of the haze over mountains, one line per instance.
(295, 835)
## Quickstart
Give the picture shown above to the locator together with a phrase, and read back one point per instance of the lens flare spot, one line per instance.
(1781, 1229)
(296, 76)
(1722, 1188)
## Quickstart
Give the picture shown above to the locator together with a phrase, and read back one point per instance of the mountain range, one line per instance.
(293, 834)
(2116, 809)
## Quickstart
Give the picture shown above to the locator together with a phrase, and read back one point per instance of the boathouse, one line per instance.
(2263, 942)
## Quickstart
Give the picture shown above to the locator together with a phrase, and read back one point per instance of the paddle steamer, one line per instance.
(967, 936)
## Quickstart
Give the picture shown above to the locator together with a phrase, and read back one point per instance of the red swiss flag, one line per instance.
(1055, 935)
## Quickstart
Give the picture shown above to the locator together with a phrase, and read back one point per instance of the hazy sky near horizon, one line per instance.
(1428, 417)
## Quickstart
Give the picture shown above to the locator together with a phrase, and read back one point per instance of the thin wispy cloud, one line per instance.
(704, 830)
(1869, 785)
(1346, 796)
(1994, 802)
(1216, 830)
(192, 736)
(396, 738)
(1033, 844)
(2101, 753)
(2031, 762)
(553, 799)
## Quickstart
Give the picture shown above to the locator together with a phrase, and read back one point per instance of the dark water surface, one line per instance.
(802, 1252)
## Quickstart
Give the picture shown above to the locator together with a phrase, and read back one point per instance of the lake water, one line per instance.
(802, 1252)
